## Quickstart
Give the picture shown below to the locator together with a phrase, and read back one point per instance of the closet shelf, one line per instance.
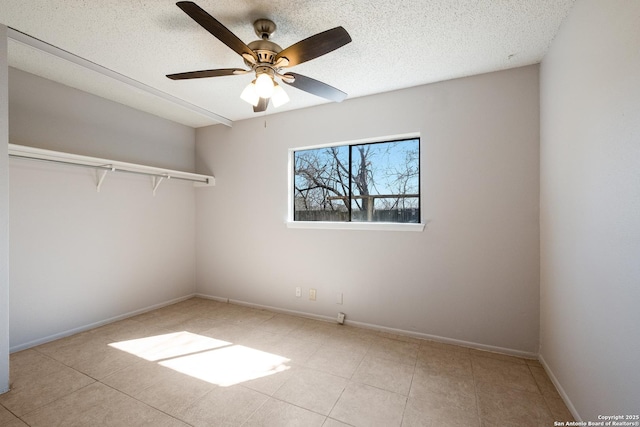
(104, 166)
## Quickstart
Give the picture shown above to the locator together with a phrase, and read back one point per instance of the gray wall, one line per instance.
(79, 257)
(471, 276)
(4, 214)
(590, 208)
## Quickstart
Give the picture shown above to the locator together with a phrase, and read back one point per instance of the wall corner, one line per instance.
(4, 212)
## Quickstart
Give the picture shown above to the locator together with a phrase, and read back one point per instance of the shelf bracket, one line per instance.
(101, 176)
(156, 180)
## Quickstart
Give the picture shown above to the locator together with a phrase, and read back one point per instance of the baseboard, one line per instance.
(214, 298)
(283, 311)
(558, 386)
(445, 340)
(83, 328)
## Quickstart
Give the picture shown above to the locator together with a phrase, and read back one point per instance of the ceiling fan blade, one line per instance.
(316, 87)
(206, 73)
(262, 105)
(218, 30)
(315, 46)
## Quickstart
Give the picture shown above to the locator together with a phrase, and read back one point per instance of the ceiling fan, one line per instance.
(268, 60)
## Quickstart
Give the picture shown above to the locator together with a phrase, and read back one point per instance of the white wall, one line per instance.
(4, 214)
(472, 275)
(79, 257)
(590, 208)
(71, 121)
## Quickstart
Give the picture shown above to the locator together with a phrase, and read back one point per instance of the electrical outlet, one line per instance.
(298, 292)
(312, 294)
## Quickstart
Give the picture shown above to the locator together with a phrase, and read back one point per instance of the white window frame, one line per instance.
(330, 225)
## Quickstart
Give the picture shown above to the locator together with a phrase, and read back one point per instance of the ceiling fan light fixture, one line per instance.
(279, 96)
(264, 85)
(267, 59)
(250, 94)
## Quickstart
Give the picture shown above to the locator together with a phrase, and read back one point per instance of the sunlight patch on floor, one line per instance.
(167, 346)
(208, 359)
(228, 366)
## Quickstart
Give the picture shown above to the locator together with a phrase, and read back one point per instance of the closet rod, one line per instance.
(110, 168)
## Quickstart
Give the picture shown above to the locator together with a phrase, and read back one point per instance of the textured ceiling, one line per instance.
(396, 44)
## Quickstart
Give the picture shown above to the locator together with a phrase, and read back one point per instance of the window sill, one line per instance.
(370, 226)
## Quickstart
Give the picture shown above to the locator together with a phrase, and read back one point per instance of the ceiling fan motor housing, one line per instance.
(266, 51)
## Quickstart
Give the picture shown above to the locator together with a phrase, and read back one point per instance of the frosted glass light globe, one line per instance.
(264, 86)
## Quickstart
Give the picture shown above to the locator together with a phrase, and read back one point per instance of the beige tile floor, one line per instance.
(205, 363)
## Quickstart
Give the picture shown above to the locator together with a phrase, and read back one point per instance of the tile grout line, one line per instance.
(11, 412)
(293, 404)
(334, 405)
(406, 402)
(146, 404)
(259, 406)
(475, 389)
(546, 403)
(54, 401)
(57, 399)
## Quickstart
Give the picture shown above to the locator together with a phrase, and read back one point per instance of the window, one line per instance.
(376, 182)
